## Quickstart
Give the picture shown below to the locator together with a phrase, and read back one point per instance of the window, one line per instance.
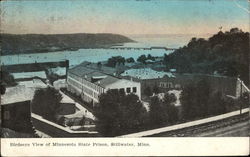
(134, 89)
(128, 90)
(122, 90)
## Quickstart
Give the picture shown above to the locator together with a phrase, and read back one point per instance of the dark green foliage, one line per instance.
(7, 79)
(188, 104)
(2, 88)
(163, 112)
(150, 57)
(169, 98)
(46, 102)
(216, 104)
(172, 111)
(226, 53)
(147, 91)
(198, 101)
(115, 60)
(156, 89)
(119, 114)
(130, 60)
(142, 59)
(157, 114)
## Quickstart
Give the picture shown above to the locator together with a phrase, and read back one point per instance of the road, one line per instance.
(240, 129)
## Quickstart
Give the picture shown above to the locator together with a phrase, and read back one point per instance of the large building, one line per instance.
(90, 80)
(166, 81)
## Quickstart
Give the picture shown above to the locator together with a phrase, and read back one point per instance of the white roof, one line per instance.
(146, 73)
(24, 91)
(59, 71)
(40, 74)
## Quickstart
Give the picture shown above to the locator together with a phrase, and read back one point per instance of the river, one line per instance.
(96, 55)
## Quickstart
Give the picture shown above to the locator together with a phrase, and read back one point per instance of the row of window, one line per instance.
(166, 85)
(88, 84)
(93, 86)
(128, 90)
(74, 83)
(84, 87)
(87, 90)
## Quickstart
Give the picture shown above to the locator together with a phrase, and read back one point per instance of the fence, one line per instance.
(55, 130)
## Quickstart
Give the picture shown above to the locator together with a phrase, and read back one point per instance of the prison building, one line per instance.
(91, 80)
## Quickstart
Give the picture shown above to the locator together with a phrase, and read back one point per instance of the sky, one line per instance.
(123, 16)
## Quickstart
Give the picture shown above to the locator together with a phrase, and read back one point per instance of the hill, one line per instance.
(225, 53)
(37, 43)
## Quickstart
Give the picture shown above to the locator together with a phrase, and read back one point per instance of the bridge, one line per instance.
(141, 48)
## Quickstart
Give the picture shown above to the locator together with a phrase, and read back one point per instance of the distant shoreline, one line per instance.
(44, 43)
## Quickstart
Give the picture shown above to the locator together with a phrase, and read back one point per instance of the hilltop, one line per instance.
(37, 43)
(225, 53)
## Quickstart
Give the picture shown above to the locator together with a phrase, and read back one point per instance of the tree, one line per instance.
(147, 91)
(216, 104)
(157, 114)
(227, 53)
(156, 89)
(115, 60)
(202, 94)
(118, 113)
(171, 109)
(169, 98)
(6, 78)
(150, 57)
(188, 107)
(142, 59)
(130, 60)
(197, 100)
(46, 102)
(2, 88)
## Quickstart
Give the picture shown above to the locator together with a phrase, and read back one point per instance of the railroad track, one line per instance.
(194, 130)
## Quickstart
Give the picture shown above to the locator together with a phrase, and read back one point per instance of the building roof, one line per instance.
(40, 74)
(146, 73)
(86, 68)
(107, 81)
(80, 71)
(101, 76)
(24, 91)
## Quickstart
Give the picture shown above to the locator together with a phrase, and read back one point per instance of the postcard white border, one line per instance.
(158, 146)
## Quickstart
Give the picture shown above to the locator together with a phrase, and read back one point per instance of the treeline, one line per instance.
(225, 53)
(119, 114)
(198, 100)
(119, 60)
(38, 43)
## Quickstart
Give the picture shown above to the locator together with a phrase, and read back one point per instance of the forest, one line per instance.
(225, 53)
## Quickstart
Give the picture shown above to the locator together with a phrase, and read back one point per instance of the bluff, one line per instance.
(37, 43)
(225, 53)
